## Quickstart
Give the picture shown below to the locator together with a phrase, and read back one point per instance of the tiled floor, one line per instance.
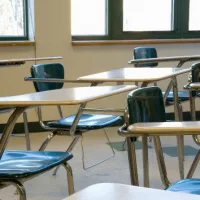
(48, 187)
(170, 150)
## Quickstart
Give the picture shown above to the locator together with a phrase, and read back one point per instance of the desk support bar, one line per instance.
(194, 165)
(76, 120)
(145, 160)
(169, 87)
(78, 115)
(53, 80)
(132, 162)
(161, 161)
(9, 128)
(180, 139)
(181, 63)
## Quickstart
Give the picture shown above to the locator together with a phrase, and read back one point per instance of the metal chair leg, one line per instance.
(194, 165)
(124, 145)
(145, 161)
(83, 154)
(60, 111)
(132, 162)
(47, 140)
(181, 137)
(69, 149)
(193, 115)
(26, 130)
(161, 161)
(180, 145)
(20, 188)
(70, 179)
(150, 139)
(181, 112)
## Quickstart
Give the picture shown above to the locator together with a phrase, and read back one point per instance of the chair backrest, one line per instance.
(195, 72)
(143, 53)
(146, 105)
(51, 70)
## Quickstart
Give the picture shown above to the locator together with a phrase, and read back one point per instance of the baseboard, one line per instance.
(35, 127)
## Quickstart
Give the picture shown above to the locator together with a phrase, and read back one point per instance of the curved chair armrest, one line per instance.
(195, 86)
(166, 128)
(192, 86)
(187, 86)
(54, 80)
(123, 131)
(161, 129)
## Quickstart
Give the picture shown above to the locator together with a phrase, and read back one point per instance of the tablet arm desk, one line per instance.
(157, 129)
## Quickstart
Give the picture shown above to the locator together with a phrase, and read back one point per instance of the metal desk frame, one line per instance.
(109, 77)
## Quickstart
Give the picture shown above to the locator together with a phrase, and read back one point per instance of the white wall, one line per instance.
(53, 38)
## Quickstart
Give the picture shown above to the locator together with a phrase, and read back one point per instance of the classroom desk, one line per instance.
(157, 129)
(69, 96)
(145, 75)
(113, 191)
(130, 74)
(16, 63)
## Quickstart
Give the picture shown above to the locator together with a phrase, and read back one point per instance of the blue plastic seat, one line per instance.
(62, 126)
(87, 122)
(150, 52)
(191, 186)
(182, 95)
(23, 164)
(19, 166)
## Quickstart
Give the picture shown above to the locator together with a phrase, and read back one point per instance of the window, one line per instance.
(90, 20)
(134, 9)
(13, 20)
(135, 19)
(194, 15)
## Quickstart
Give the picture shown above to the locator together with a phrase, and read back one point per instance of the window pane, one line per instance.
(147, 15)
(88, 17)
(194, 15)
(11, 18)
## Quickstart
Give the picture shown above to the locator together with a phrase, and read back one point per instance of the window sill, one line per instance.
(132, 42)
(17, 43)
